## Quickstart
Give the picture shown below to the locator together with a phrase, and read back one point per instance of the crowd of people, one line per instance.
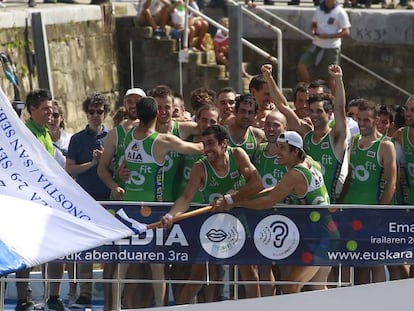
(251, 136)
(304, 153)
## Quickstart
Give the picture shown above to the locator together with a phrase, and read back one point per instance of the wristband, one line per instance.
(229, 199)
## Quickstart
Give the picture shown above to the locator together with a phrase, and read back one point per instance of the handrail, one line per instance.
(279, 39)
(244, 41)
(342, 55)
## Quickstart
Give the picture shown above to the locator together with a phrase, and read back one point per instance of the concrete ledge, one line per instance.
(60, 13)
(369, 26)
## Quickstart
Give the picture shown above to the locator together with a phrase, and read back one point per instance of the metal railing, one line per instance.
(350, 60)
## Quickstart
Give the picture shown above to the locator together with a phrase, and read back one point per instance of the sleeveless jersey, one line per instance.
(146, 182)
(216, 186)
(367, 183)
(249, 144)
(171, 165)
(316, 193)
(269, 170)
(408, 150)
(323, 153)
(187, 164)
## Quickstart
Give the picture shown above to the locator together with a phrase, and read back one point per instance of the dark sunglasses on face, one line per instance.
(93, 111)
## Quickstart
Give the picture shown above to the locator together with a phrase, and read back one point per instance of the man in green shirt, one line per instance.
(40, 107)
(222, 170)
(303, 182)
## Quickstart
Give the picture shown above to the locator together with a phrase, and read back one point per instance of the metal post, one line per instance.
(41, 53)
(235, 47)
(131, 62)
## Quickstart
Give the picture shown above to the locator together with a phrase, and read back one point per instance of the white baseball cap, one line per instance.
(291, 138)
(137, 91)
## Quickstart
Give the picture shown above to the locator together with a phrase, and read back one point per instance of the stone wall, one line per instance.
(89, 51)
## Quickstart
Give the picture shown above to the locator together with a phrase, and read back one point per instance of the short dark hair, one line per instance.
(354, 102)
(320, 83)
(227, 89)
(386, 111)
(219, 132)
(147, 109)
(365, 104)
(301, 153)
(257, 82)
(161, 91)
(301, 87)
(248, 99)
(36, 97)
(327, 100)
(95, 99)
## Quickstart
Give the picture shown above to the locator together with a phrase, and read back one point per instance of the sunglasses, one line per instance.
(56, 115)
(94, 111)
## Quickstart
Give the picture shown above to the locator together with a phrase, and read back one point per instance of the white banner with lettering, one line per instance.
(29, 173)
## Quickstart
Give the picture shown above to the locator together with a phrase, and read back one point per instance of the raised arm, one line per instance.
(294, 122)
(339, 130)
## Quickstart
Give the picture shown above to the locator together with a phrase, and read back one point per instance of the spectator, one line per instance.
(197, 26)
(85, 150)
(221, 46)
(59, 136)
(330, 24)
(154, 13)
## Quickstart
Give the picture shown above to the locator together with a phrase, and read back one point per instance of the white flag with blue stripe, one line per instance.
(54, 216)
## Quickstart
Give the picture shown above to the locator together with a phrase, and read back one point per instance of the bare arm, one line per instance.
(182, 204)
(104, 165)
(294, 123)
(167, 142)
(389, 162)
(279, 192)
(339, 130)
(250, 189)
(188, 128)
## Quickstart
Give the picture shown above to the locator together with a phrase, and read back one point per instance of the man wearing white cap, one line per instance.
(114, 152)
(303, 183)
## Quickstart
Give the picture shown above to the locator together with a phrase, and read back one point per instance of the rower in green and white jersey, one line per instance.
(242, 133)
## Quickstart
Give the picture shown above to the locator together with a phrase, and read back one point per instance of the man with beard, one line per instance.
(271, 172)
(222, 170)
(114, 154)
(324, 144)
(373, 167)
(303, 182)
(242, 133)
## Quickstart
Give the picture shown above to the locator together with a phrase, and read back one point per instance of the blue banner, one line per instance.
(283, 236)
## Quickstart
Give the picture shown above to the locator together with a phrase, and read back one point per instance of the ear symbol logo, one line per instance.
(280, 232)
